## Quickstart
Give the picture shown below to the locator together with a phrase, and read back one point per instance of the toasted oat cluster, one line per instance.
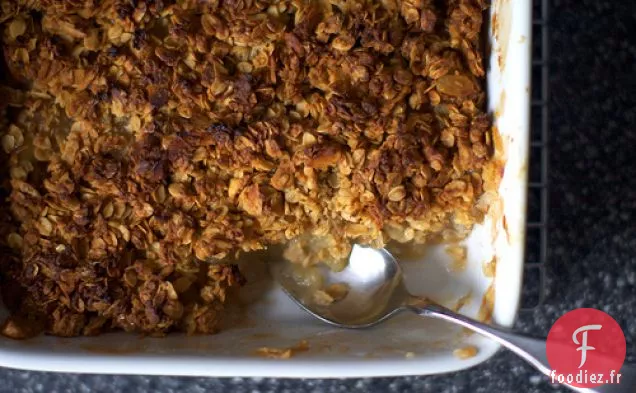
(149, 142)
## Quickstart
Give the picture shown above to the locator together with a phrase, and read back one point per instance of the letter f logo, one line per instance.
(584, 347)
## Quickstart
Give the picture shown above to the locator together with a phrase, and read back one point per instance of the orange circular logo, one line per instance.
(586, 348)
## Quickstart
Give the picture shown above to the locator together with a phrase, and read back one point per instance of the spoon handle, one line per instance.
(533, 350)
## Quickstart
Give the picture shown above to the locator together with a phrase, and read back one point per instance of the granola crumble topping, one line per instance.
(149, 142)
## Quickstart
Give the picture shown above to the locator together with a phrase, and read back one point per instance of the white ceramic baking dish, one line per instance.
(405, 345)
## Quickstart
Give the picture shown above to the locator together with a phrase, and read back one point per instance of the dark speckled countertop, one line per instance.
(592, 247)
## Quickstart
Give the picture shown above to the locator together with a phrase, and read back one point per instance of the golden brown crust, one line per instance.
(152, 136)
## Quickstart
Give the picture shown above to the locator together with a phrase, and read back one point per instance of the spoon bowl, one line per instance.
(376, 289)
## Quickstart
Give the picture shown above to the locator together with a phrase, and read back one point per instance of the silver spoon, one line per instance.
(376, 292)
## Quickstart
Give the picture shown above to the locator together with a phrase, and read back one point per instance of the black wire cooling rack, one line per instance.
(537, 226)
